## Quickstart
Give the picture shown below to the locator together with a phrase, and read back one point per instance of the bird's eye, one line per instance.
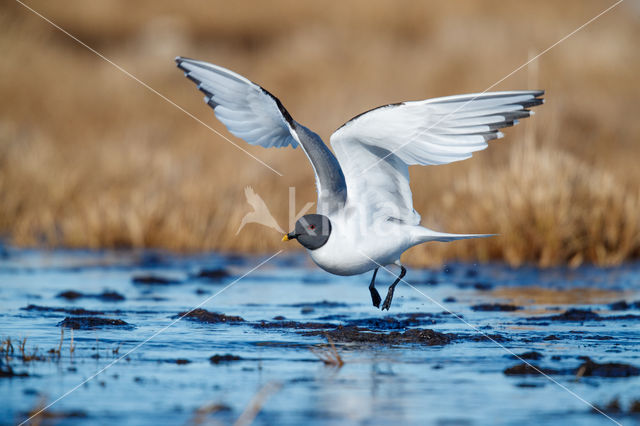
(312, 227)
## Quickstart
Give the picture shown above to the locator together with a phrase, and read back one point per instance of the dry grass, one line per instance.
(329, 355)
(89, 158)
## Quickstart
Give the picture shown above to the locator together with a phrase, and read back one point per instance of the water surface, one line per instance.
(171, 379)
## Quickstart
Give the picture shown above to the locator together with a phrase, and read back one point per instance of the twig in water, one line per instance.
(330, 355)
(72, 347)
(59, 350)
(211, 408)
(580, 373)
(254, 407)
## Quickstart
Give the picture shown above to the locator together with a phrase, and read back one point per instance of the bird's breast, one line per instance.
(349, 253)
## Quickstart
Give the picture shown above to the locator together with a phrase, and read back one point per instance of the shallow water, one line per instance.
(460, 382)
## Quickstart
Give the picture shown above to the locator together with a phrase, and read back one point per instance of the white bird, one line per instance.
(365, 217)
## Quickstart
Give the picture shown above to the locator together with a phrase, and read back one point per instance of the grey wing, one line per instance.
(256, 116)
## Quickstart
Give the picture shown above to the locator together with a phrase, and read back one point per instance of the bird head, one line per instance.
(312, 231)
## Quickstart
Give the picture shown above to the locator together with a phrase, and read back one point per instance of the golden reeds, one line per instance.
(89, 158)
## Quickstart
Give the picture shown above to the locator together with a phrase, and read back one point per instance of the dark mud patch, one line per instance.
(401, 321)
(107, 296)
(202, 315)
(529, 355)
(153, 280)
(293, 325)
(529, 370)
(623, 305)
(50, 417)
(599, 337)
(354, 334)
(478, 337)
(551, 337)
(279, 344)
(321, 304)
(573, 314)
(87, 323)
(616, 407)
(70, 311)
(212, 274)
(582, 315)
(6, 371)
(219, 359)
(588, 368)
(483, 286)
(494, 307)
(610, 369)
(529, 385)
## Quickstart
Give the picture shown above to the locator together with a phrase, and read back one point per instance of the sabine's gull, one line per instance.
(365, 217)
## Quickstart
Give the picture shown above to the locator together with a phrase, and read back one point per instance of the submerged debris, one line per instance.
(107, 295)
(294, 325)
(217, 359)
(615, 407)
(7, 372)
(483, 286)
(610, 369)
(214, 274)
(84, 323)
(495, 307)
(528, 369)
(355, 334)
(623, 305)
(70, 295)
(70, 311)
(322, 304)
(574, 314)
(329, 355)
(202, 315)
(580, 315)
(153, 280)
(587, 369)
(401, 321)
(529, 355)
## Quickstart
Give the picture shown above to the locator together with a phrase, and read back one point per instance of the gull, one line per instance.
(365, 217)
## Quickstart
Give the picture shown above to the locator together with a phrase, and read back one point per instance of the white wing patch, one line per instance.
(376, 148)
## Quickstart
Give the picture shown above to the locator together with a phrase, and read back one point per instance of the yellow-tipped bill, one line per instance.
(285, 238)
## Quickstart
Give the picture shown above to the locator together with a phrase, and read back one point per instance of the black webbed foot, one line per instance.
(375, 296)
(387, 300)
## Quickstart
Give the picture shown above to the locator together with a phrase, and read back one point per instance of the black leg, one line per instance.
(375, 296)
(387, 300)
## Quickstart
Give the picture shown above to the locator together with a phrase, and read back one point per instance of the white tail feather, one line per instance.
(424, 235)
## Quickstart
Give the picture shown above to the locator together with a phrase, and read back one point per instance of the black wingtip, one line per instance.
(179, 61)
(532, 103)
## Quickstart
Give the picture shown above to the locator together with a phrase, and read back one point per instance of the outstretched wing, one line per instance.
(255, 115)
(375, 148)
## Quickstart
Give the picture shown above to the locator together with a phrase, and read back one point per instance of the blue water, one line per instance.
(461, 383)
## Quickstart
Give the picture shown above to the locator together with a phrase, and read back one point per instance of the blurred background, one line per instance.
(91, 158)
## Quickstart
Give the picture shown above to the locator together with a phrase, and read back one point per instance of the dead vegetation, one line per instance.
(89, 158)
(329, 355)
(11, 350)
